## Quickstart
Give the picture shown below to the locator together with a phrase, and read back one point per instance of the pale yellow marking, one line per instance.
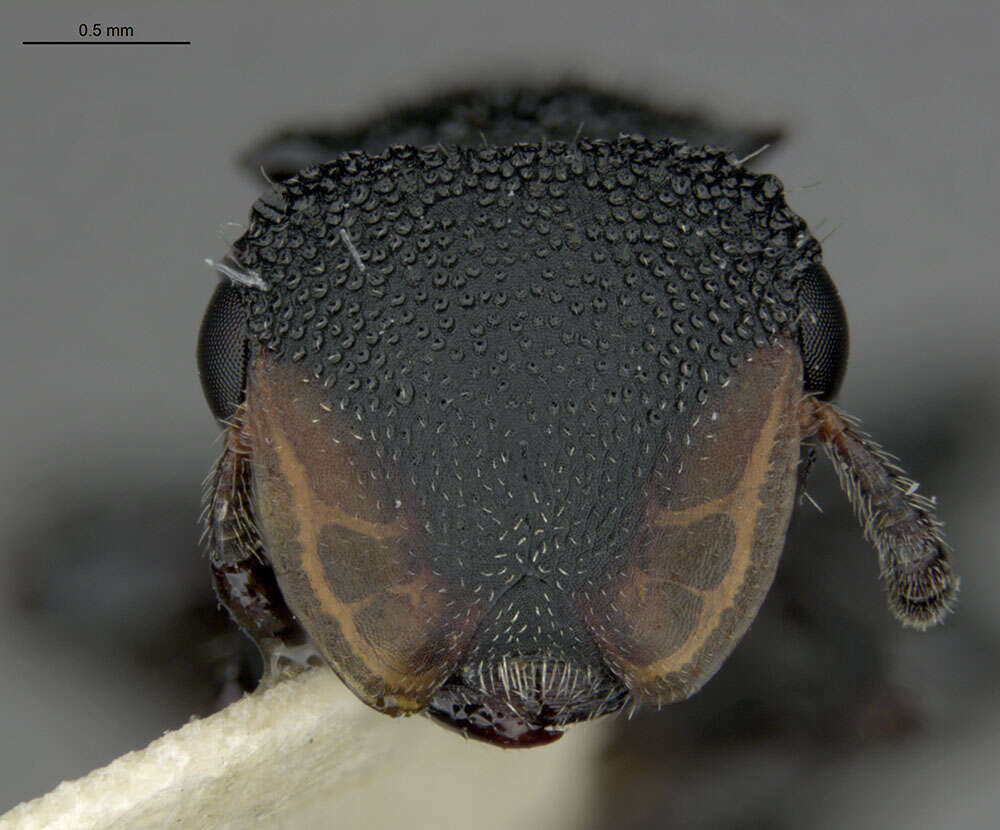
(742, 505)
(311, 514)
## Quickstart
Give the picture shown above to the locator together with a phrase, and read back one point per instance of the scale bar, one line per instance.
(105, 42)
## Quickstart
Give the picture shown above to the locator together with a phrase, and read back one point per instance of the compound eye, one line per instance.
(823, 337)
(222, 351)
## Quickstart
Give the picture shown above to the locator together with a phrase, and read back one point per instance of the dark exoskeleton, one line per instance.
(512, 426)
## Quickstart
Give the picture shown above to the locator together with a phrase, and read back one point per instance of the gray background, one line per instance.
(120, 178)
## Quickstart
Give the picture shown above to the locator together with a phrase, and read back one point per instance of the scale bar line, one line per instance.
(105, 42)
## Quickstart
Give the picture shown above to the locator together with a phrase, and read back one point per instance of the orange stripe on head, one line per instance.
(347, 548)
(715, 517)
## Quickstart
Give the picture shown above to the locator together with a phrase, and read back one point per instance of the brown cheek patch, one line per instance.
(701, 552)
(345, 541)
(714, 525)
(355, 565)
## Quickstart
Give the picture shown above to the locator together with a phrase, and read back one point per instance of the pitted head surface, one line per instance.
(531, 328)
(506, 347)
